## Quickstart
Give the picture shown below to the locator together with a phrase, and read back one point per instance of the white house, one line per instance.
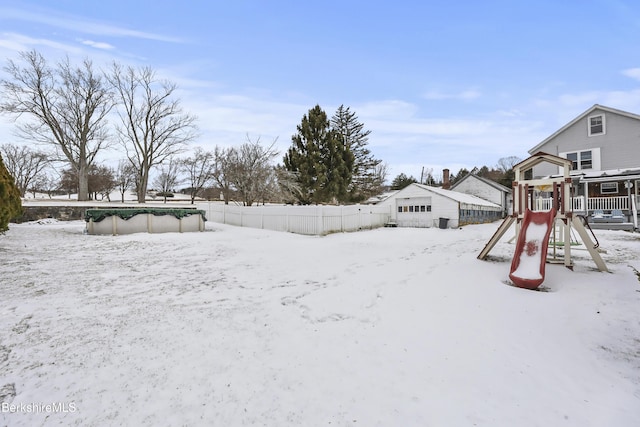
(485, 189)
(419, 205)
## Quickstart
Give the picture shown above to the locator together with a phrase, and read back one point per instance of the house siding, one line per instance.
(477, 188)
(619, 146)
(446, 208)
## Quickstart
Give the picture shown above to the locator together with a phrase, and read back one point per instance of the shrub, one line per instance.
(10, 202)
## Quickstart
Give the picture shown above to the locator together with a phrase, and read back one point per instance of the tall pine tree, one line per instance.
(366, 180)
(10, 202)
(320, 160)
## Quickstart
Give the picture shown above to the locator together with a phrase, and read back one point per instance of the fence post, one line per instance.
(320, 220)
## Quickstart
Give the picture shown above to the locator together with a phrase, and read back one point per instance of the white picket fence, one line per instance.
(309, 220)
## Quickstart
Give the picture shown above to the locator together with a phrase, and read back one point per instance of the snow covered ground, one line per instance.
(234, 327)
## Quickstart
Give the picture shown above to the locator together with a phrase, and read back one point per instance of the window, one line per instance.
(399, 208)
(428, 208)
(596, 125)
(423, 208)
(609, 187)
(585, 160)
(581, 160)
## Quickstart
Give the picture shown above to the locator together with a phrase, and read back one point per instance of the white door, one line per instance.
(414, 212)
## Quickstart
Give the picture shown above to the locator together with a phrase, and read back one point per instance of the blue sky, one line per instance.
(439, 84)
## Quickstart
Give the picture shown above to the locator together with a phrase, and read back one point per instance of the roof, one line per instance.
(380, 197)
(458, 197)
(605, 175)
(580, 117)
(487, 181)
(541, 157)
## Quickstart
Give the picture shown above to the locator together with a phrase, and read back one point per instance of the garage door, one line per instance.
(414, 212)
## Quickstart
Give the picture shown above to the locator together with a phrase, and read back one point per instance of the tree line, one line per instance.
(65, 107)
(502, 173)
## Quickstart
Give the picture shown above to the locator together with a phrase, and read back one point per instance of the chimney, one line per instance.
(446, 184)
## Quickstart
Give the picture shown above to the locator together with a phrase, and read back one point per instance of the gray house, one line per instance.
(604, 146)
(485, 189)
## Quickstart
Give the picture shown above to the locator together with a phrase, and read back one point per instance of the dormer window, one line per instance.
(596, 125)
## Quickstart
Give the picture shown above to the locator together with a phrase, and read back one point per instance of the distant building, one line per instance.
(419, 205)
(485, 189)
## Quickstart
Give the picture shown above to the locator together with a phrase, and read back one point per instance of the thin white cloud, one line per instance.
(97, 45)
(18, 42)
(634, 73)
(81, 24)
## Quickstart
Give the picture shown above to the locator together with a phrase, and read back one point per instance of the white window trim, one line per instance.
(595, 158)
(612, 184)
(604, 125)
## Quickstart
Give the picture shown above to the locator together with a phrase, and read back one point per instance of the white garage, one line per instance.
(423, 206)
(414, 212)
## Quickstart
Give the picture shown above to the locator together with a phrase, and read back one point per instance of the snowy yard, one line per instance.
(234, 327)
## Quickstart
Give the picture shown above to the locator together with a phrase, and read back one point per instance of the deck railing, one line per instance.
(594, 203)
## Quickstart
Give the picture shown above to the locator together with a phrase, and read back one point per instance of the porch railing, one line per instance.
(609, 203)
(578, 203)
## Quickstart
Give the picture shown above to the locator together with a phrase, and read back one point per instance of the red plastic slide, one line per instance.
(529, 260)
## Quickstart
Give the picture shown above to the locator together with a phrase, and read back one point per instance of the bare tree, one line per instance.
(380, 174)
(67, 106)
(47, 181)
(222, 171)
(288, 189)
(252, 173)
(168, 178)
(153, 125)
(24, 164)
(505, 164)
(125, 177)
(199, 169)
(102, 181)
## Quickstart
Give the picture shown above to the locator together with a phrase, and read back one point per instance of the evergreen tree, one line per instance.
(320, 160)
(10, 202)
(401, 181)
(366, 181)
(461, 174)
